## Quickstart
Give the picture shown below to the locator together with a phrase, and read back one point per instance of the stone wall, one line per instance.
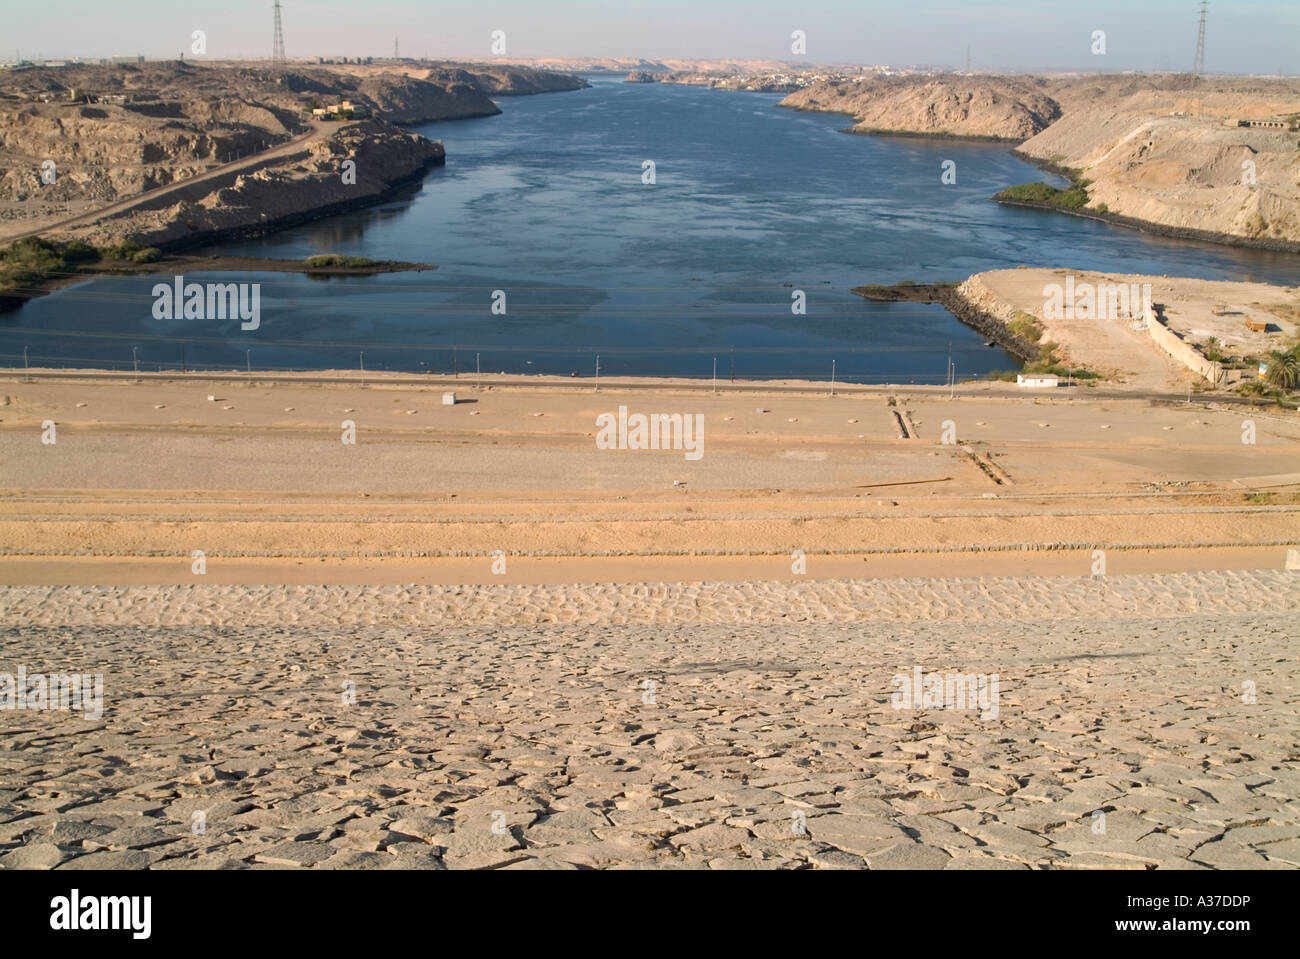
(1182, 351)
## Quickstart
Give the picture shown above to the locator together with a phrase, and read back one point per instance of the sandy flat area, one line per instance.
(258, 479)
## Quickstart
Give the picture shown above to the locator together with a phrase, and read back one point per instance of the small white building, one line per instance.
(1034, 380)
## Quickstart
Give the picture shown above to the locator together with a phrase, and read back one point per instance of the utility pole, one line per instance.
(832, 377)
(27, 376)
(248, 365)
(478, 384)
(135, 362)
(362, 362)
(715, 376)
(597, 372)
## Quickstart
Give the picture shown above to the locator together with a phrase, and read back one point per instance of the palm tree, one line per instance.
(1283, 370)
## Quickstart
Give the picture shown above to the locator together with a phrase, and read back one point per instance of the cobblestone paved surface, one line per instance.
(1144, 722)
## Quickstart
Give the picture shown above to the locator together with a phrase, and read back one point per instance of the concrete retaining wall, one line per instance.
(1182, 351)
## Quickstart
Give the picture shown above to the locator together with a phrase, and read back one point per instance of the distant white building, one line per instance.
(1037, 379)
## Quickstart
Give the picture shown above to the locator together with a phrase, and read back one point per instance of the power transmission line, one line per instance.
(1199, 66)
(277, 51)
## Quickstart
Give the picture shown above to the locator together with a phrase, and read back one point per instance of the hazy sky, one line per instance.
(1244, 36)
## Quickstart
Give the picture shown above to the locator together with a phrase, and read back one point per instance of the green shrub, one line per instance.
(28, 261)
(1073, 198)
(1026, 326)
(79, 251)
(122, 251)
(1065, 373)
(149, 254)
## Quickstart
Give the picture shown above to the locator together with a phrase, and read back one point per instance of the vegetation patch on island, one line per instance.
(1046, 196)
(33, 266)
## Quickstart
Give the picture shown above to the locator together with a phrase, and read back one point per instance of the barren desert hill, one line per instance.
(1166, 151)
(514, 81)
(409, 100)
(80, 138)
(418, 92)
(114, 131)
(1219, 96)
(1004, 108)
(1170, 151)
(310, 184)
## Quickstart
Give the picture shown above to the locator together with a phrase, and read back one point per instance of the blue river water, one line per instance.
(547, 203)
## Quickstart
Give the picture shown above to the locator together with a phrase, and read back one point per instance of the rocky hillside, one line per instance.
(1163, 152)
(1172, 155)
(309, 186)
(113, 132)
(450, 94)
(421, 96)
(1001, 108)
(523, 81)
(105, 134)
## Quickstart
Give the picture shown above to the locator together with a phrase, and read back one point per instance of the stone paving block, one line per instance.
(460, 720)
(908, 856)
